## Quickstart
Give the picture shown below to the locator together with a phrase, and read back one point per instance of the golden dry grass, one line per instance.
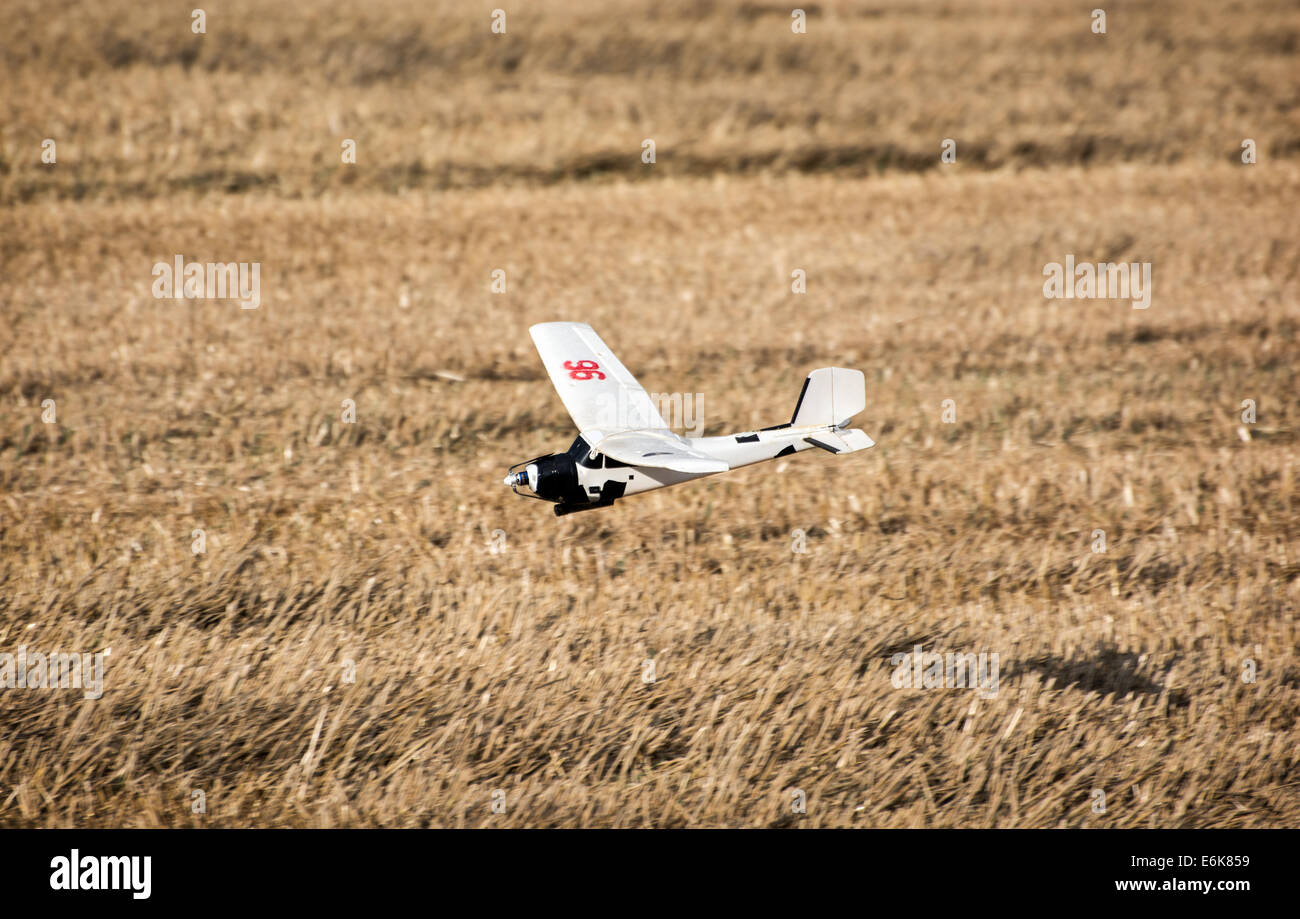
(522, 671)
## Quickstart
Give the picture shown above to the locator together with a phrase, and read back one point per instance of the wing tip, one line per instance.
(700, 467)
(567, 323)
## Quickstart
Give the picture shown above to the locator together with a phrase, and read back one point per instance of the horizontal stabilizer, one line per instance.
(841, 441)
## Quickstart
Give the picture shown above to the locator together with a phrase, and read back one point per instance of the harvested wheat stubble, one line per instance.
(367, 550)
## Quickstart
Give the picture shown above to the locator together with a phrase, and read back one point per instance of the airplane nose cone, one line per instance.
(524, 478)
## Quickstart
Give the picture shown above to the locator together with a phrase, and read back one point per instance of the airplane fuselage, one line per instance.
(582, 478)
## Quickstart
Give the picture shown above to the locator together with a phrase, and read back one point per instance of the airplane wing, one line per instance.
(599, 392)
(660, 449)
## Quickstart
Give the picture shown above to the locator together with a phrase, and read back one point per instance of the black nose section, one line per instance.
(557, 479)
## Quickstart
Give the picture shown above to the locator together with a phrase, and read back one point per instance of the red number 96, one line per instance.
(583, 370)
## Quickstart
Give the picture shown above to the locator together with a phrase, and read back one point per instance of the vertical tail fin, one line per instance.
(831, 396)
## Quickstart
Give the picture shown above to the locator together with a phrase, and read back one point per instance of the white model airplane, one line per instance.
(624, 447)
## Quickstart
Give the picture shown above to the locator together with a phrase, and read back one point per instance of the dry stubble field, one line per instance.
(521, 671)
